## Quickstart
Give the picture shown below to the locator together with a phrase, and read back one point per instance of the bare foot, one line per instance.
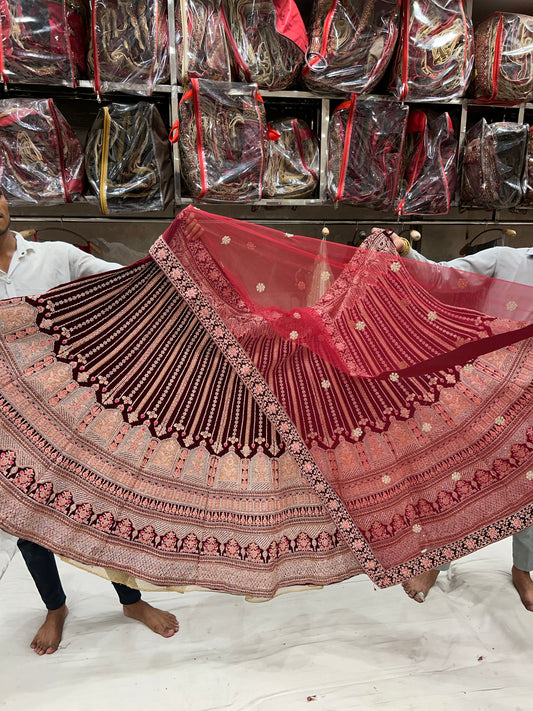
(159, 621)
(419, 586)
(49, 634)
(524, 585)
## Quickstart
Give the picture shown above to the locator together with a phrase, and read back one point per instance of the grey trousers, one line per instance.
(522, 551)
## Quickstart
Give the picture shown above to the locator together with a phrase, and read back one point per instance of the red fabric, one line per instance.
(290, 24)
(187, 422)
(325, 288)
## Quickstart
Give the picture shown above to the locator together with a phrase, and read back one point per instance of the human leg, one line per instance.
(159, 621)
(522, 565)
(43, 569)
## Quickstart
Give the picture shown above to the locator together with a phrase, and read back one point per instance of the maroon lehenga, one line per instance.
(240, 412)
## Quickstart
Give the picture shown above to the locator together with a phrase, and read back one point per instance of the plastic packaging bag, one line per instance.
(528, 194)
(493, 165)
(366, 140)
(504, 58)
(267, 39)
(204, 43)
(430, 160)
(41, 160)
(351, 44)
(435, 52)
(129, 44)
(43, 42)
(292, 160)
(127, 159)
(222, 139)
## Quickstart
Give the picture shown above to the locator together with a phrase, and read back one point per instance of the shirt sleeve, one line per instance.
(483, 262)
(82, 264)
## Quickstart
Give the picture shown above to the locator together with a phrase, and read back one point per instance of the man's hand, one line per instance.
(399, 242)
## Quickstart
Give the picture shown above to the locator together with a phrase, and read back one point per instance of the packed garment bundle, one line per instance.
(435, 53)
(127, 159)
(494, 157)
(429, 172)
(43, 42)
(200, 418)
(267, 39)
(222, 140)
(351, 44)
(41, 159)
(129, 44)
(202, 50)
(366, 139)
(292, 159)
(504, 58)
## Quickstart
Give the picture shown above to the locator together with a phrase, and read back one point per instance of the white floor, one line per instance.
(349, 646)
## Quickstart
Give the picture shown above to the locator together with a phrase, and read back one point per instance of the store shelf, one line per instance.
(317, 207)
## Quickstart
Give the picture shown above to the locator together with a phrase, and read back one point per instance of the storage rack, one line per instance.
(315, 209)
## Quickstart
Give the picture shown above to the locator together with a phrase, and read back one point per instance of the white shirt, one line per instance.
(509, 263)
(37, 267)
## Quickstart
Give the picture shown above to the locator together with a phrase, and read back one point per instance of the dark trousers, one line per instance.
(43, 568)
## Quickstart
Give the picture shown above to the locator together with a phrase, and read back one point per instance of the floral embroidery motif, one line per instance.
(511, 306)
(426, 427)
(360, 325)
(293, 335)
(357, 432)
(456, 476)
(325, 276)
(226, 239)
(417, 528)
(386, 479)
(249, 549)
(394, 377)
(325, 384)
(260, 287)
(529, 475)
(432, 316)
(499, 420)
(395, 267)
(297, 315)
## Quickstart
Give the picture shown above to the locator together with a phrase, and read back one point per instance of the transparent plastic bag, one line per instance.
(435, 52)
(292, 163)
(267, 39)
(493, 165)
(127, 159)
(129, 44)
(43, 42)
(222, 140)
(430, 165)
(366, 140)
(504, 58)
(204, 43)
(351, 44)
(528, 193)
(41, 160)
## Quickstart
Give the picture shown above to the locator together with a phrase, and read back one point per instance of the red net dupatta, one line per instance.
(247, 410)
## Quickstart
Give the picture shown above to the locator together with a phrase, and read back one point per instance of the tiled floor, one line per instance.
(349, 646)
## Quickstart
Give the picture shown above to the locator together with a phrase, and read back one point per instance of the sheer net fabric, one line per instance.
(216, 416)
